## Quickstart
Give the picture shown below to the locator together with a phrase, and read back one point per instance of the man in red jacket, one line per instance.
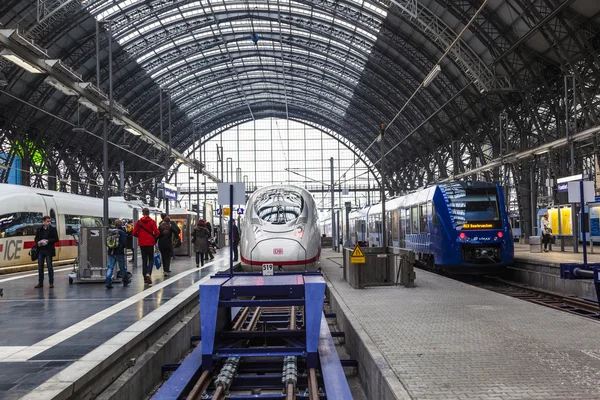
(146, 231)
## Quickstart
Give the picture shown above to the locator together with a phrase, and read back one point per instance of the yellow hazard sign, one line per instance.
(226, 211)
(357, 256)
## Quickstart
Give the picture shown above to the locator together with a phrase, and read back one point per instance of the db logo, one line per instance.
(277, 251)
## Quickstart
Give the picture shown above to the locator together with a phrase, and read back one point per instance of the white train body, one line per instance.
(281, 227)
(21, 212)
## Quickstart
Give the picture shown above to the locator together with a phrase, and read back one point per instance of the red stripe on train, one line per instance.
(61, 243)
(1, 247)
(298, 262)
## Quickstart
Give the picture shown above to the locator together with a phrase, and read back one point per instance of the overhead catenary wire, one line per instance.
(424, 83)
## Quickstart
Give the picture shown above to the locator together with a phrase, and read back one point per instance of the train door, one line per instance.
(57, 220)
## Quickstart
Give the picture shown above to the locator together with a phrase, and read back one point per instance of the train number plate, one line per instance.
(267, 269)
(277, 251)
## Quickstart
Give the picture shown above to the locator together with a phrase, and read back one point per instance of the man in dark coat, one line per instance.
(45, 238)
(236, 240)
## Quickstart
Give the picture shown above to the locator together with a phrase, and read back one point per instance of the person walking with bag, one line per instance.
(165, 243)
(116, 254)
(210, 233)
(146, 231)
(200, 239)
(45, 239)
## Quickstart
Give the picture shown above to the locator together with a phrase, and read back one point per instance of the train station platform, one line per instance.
(449, 340)
(556, 257)
(54, 341)
(542, 270)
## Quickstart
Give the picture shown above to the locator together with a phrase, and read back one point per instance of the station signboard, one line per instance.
(169, 192)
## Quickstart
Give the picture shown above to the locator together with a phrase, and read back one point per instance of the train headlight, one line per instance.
(299, 232)
(500, 234)
(257, 231)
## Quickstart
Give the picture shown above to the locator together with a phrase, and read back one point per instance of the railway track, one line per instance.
(245, 377)
(570, 304)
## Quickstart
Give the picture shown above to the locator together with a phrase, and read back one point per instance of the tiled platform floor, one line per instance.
(449, 340)
(42, 331)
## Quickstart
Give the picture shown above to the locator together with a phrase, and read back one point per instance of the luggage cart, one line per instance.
(92, 260)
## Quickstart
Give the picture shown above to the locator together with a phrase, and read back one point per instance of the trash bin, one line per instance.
(535, 244)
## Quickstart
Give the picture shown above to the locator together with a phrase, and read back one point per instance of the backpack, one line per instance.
(113, 238)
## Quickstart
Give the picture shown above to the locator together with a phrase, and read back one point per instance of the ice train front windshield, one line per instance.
(279, 206)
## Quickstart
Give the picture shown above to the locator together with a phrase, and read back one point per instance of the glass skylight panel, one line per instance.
(376, 9)
(285, 73)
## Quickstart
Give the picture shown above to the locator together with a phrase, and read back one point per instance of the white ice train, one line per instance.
(281, 227)
(22, 209)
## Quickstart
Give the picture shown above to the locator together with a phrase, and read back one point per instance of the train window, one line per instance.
(402, 224)
(19, 224)
(74, 222)
(408, 224)
(395, 225)
(423, 218)
(473, 204)
(414, 218)
(52, 217)
(279, 206)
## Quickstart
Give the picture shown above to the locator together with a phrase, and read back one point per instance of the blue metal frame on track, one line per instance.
(263, 355)
(336, 385)
(183, 378)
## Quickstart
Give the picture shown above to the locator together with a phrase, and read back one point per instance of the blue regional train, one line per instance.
(459, 227)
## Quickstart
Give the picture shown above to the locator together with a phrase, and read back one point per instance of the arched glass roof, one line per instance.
(346, 65)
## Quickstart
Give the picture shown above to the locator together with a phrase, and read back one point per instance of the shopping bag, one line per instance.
(157, 259)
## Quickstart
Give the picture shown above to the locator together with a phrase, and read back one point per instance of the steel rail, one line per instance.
(313, 384)
(200, 386)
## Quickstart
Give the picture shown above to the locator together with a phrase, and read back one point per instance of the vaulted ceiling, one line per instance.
(344, 65)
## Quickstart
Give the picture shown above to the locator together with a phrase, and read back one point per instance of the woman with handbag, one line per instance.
(200, 240)
(546, 232)
(147, 232)
(165, 243)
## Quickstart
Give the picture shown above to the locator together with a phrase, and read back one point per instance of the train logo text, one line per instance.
(11, 249)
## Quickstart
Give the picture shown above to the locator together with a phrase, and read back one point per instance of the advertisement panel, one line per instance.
(595, 220)
(565, 221)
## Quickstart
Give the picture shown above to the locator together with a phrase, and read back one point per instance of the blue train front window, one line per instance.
(474, 208)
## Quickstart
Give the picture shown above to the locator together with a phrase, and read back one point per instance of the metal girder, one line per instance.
(47, 8)
(436, 30)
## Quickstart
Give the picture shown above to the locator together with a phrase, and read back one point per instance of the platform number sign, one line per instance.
(267, 269)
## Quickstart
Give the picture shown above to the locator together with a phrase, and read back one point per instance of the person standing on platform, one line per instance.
(210, 232)
(45, 238)
(165, 243)
(200, 240)
(236, 240)
(546, 232)
(117, 255)
(146, 231)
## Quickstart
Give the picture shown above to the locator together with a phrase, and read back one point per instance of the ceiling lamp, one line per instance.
(57, 85)
(133, 131)
(432, 75)
(12, 57)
